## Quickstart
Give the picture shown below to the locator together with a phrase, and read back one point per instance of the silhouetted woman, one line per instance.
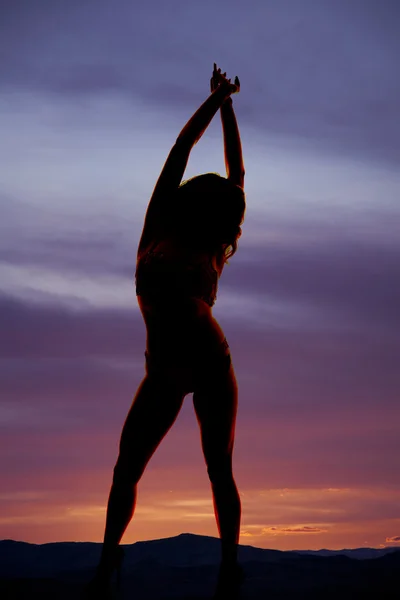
(190, 230)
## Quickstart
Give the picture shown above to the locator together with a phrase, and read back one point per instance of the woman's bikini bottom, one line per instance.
(190, 370)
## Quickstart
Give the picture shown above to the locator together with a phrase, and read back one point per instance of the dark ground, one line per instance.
(59, 572)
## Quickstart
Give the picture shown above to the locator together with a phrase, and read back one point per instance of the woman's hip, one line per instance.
(191, 367)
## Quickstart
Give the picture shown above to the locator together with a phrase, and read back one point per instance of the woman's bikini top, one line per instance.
(159, 277)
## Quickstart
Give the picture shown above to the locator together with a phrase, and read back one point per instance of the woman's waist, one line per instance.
(189, 311)
(177, 333)
(207, 335)
(186, 354)
(173, 296)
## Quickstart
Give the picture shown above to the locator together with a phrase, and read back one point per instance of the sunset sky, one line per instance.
(92, 96)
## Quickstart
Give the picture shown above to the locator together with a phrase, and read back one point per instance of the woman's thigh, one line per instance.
(154, 410)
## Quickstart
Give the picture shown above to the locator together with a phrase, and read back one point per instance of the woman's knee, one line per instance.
(220, 471)
(126, 472)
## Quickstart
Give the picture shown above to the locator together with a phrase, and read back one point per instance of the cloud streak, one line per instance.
(321, 73)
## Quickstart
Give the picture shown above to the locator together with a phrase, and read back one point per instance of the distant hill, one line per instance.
(358, 553)
(185, 566)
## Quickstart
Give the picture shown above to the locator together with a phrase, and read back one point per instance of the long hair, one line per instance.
(208, 212)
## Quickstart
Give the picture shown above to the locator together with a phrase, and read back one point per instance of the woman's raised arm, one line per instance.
(232, 144)
(175, 165)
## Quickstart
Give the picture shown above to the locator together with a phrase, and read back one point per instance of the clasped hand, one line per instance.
(219, 78)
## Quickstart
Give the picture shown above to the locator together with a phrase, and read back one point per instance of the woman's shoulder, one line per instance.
(153, 246)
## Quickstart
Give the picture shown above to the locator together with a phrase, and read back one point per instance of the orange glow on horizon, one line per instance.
(284, 519)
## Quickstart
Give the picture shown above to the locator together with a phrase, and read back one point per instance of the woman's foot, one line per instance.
(99, 588)
(230, 578)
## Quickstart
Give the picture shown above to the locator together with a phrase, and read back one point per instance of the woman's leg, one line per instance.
(215, 402)
(155, 407)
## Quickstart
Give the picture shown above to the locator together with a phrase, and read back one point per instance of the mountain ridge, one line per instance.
(185, 567)
(25, 559)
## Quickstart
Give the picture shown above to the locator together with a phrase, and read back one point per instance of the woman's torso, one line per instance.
(176, 288)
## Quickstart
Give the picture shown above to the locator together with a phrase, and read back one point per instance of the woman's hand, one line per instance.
(219, 78)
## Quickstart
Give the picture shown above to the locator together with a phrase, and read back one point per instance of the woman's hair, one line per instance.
(208, 211)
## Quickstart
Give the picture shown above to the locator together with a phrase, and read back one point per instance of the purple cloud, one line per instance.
(322, 72)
